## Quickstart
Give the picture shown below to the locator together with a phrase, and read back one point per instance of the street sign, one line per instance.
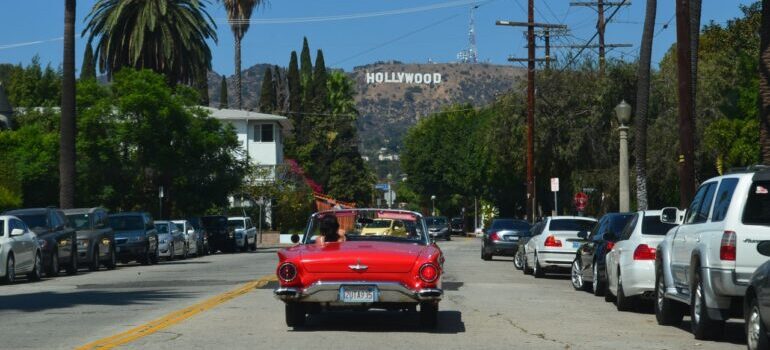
(383, 187)
(554, 184)
(581, 200)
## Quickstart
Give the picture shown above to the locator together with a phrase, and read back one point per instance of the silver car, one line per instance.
(171, 241)
(190, 235)
(19, 251)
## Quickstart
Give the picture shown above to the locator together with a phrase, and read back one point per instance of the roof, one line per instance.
(225, 114)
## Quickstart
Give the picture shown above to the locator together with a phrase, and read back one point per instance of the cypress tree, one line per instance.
(223, 93)
(280, 91)
(306, 68)
(88, 69)
(267, 98)
(320, 91)
(295, 93)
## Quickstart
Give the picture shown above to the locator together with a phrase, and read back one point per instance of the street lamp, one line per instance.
(623, 112)
(433, 199)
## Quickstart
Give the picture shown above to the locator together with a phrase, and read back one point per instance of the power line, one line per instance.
(617, 8)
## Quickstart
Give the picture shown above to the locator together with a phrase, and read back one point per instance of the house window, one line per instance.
(264, 133)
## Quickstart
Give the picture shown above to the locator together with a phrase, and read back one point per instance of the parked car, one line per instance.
(245, 232)
(757, 304)
(631, 262)
(171, 241)
(589, 264)
(135, 237)
(19, 251)
(221, 236)
(706, 263)
(554, 245)
(458, 226)
(521, 252)
(190, 235)
(384, 227)
(57, 240)
(96, 240)
(438, 227)
(502, 237)
(202, 237)
(365, 271)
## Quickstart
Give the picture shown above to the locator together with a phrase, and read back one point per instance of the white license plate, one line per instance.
(358, 294)
(576, 245)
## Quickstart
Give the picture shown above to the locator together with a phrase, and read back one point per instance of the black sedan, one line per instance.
(590, 259)
(502, 237)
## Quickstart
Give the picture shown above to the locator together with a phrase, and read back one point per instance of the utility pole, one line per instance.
(546, 34)
(599, 6)
(531, 25)
(686, 118)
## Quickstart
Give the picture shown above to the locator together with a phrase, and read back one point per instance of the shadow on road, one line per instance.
(32, 302)
(449, 322)
(734, 332)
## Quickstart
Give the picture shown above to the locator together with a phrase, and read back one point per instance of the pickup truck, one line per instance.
(705, 264)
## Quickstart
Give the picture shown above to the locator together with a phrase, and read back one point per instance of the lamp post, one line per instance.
(623, 112)
(433, 200)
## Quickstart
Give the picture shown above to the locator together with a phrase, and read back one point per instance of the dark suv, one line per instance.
(221, 236)
(96, 240)
(458, 226)
(57, 240)
(135, 237)
(590, 257)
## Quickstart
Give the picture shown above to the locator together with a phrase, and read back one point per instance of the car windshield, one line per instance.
(235, 223)
(161, 228)
(651, 225)
(571, 225)
(126, 223)
(179, 227)
(360, 224)
(435, 221)
(757, 210)
(510, 224)
(34, 221)
(78, 221)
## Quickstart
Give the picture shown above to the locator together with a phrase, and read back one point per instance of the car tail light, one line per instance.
(551, 241)
(287, 272)
(429, 272)
(644, 252)
(610, 245)
(727, 248)
(494, 236)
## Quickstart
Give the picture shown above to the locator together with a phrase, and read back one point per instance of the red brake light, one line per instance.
(551, 241)
(287, 272)
(610, 245)
(727, 247)
(644, 252)
(429, 272)
(493, 236)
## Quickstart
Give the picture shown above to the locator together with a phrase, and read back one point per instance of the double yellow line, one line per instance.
(174, 317)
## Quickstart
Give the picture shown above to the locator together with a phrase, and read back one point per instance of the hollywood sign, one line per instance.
(402, 78)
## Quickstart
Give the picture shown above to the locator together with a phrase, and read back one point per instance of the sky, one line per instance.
(366, 31)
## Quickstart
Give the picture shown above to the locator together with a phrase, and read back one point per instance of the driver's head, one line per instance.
(328, 225)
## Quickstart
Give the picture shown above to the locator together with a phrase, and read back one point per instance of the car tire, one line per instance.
(429, 315)
(295, 314)
(667, 311)
(171, 252)
(518, 260)
(185, 252)
(599, 288)
(537, 270)
(578, 283)
(10, 270)
(94, 265)
(484, 255)
(622, 302)
(147, 258)
(54, 268)
(37, 272)
(756, 333)
(703, 327)
(526, 270)
(155, 258)
(72, 267)
(448, 237)
(113, 262)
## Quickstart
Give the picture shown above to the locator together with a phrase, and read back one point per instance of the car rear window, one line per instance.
(757, 210)
(571, 225)
(618, 222)
(34, 221)
(651, 225)
(510, 225)
(214, 221)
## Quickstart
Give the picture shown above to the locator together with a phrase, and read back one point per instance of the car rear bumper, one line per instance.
(723, 293)
(556, 258)
(638, 278)
(131, 250)
(502, 248)
(329, 293)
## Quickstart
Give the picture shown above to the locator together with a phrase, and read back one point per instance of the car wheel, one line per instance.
(537, 269)
(577, 276)
(184, 252)
(518, 260)
(295, 314)
(527, 270)
(147, 258)
(484, 255)
(756, 334)
(94, 266)
(667, 311)
(254, 245)
(703, 327)
(113, 260)
(622, 302)
(245, 245)
(72, 267)
(448, 237)
(37, 270)
(171, 252)
(53, 269)
(10, 270)
(428, 314)
(155, 257)
(599, 287)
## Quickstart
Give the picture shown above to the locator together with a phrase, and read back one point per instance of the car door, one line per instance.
(588, 247)
(22, 245)
(683, 240)
(529, 249)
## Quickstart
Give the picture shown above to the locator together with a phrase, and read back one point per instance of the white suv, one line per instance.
(707, 261)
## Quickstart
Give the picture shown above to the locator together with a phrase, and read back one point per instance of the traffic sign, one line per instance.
(581, 200)
(383, 187)
(554, 184)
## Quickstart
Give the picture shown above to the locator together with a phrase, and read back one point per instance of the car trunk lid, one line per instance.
(360, 256)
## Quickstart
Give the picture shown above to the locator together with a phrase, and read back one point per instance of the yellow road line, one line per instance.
(174, 317)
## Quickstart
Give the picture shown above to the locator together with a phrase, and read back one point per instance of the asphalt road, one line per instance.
(488, 305)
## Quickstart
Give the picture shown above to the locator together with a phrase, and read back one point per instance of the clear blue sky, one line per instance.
(436, 34)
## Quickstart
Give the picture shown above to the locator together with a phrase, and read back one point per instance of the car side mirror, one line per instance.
(582, 234)
(295, 238)
(764, 248)
(17, 232)
(670, 215)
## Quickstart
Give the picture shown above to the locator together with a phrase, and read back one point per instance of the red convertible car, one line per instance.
(343, 262)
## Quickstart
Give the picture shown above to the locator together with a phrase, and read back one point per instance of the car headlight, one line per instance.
(105, 241)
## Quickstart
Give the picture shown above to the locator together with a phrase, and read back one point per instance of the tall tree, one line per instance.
(295, 94)
(695, 14)
(68, 131)
(764, 83)
(88, 69)
(281, 94)
(685, 110)
(202, 86)
(306, 70)
(223, 94)
(320, 90)
(238, 15)
(267, 98)
(642, 101)
(168, 37)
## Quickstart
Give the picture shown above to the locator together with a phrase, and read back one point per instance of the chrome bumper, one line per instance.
(328, 292)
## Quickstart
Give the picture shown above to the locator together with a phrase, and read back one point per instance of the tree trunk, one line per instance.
(686, 115)
(764, 83)
(642, 101)
(67, 126)
(238, 94)
(695, 15)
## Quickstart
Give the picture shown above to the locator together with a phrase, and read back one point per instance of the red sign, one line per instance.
(581, 200)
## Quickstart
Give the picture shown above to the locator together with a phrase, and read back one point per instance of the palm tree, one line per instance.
(642, 101)
(239, 14)
(67, 127)
(341, 95)
(764, 83)
(167, 36)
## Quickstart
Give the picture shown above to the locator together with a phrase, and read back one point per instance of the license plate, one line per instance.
(576, 245)
(358, 294)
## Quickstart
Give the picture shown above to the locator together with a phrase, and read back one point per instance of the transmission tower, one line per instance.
(470, 54)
